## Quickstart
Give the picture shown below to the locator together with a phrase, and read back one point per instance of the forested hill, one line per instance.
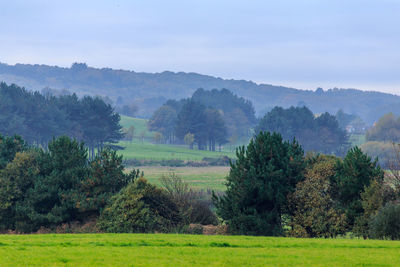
(150, 90)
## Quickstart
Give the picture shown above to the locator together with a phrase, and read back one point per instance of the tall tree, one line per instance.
(258, 184)
(353, 174)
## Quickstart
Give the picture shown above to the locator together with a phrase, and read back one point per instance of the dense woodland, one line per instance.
(38, 118)
(148, 91)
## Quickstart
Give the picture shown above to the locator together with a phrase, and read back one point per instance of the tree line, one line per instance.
(57, 187)
(273, 188)
(38, 118)
(320, 133)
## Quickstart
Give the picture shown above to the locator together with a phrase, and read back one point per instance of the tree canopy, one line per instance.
(38, 118)
(258, 184)
(320, 134)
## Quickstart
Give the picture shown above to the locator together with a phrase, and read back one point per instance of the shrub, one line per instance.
(192, 205)
(386, 224)
(139, 208)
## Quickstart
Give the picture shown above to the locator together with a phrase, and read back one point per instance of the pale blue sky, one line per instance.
(304, 44)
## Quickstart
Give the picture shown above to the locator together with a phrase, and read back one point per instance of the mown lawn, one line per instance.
(191, 250)
(197, 177)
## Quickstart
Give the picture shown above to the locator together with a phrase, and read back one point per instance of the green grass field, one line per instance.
(139, 124)
(197, 177)
(191, 250)
(146, 150)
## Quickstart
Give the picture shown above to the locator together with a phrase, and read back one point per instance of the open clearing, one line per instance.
(191, 250)
(197, 177)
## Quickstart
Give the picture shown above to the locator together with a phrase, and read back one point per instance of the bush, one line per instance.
(192, 205)
(386, 224)
(140, 208)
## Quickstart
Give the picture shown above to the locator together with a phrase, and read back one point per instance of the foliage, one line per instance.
(353, 174)
(258, 184)
(15, 180)
(189, 140)
(163, 121)
(211, 116)
(9, 146)
(150, 90)
(384, 152)
(386, 224)
(38, 118)
(140, 207)
(387, 129)
(47, 188)
(320, 134)
(314, 210)
(372, 200)
(106, 178)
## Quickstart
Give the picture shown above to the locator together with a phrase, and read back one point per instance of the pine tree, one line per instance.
(258, 185)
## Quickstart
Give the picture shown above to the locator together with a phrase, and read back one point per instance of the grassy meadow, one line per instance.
(197, 177)
(144, 148)
(191, 250)
(149, 151)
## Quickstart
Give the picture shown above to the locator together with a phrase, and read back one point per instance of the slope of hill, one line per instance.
(150, 90)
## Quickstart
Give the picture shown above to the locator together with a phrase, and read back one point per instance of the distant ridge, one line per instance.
(150, 90)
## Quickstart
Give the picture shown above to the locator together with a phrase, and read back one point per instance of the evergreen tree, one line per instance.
(353, 174)
(258, 184)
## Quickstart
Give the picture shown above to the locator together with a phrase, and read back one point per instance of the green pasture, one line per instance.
(191, 250)
(197, 177)
(140, 126)
(146, 150)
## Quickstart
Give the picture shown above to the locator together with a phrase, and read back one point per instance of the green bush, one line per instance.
(140, 208)
(386, 224)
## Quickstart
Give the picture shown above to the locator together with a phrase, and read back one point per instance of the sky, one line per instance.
(303, 44)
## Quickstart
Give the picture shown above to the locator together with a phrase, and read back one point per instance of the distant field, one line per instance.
(197, 177)
(138, 150)
(139, 124)
(191, 250)
(357, 139)
(147, 150)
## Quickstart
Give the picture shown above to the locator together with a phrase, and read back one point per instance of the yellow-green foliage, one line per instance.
(191, 250)
(314, 209)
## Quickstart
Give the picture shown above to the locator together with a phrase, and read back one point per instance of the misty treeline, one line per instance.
(150, 90)
(273, 188)
(38, 118)
(382, 140)
(207, 119)
(315, 133)
(57, 188)
(219, 116)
